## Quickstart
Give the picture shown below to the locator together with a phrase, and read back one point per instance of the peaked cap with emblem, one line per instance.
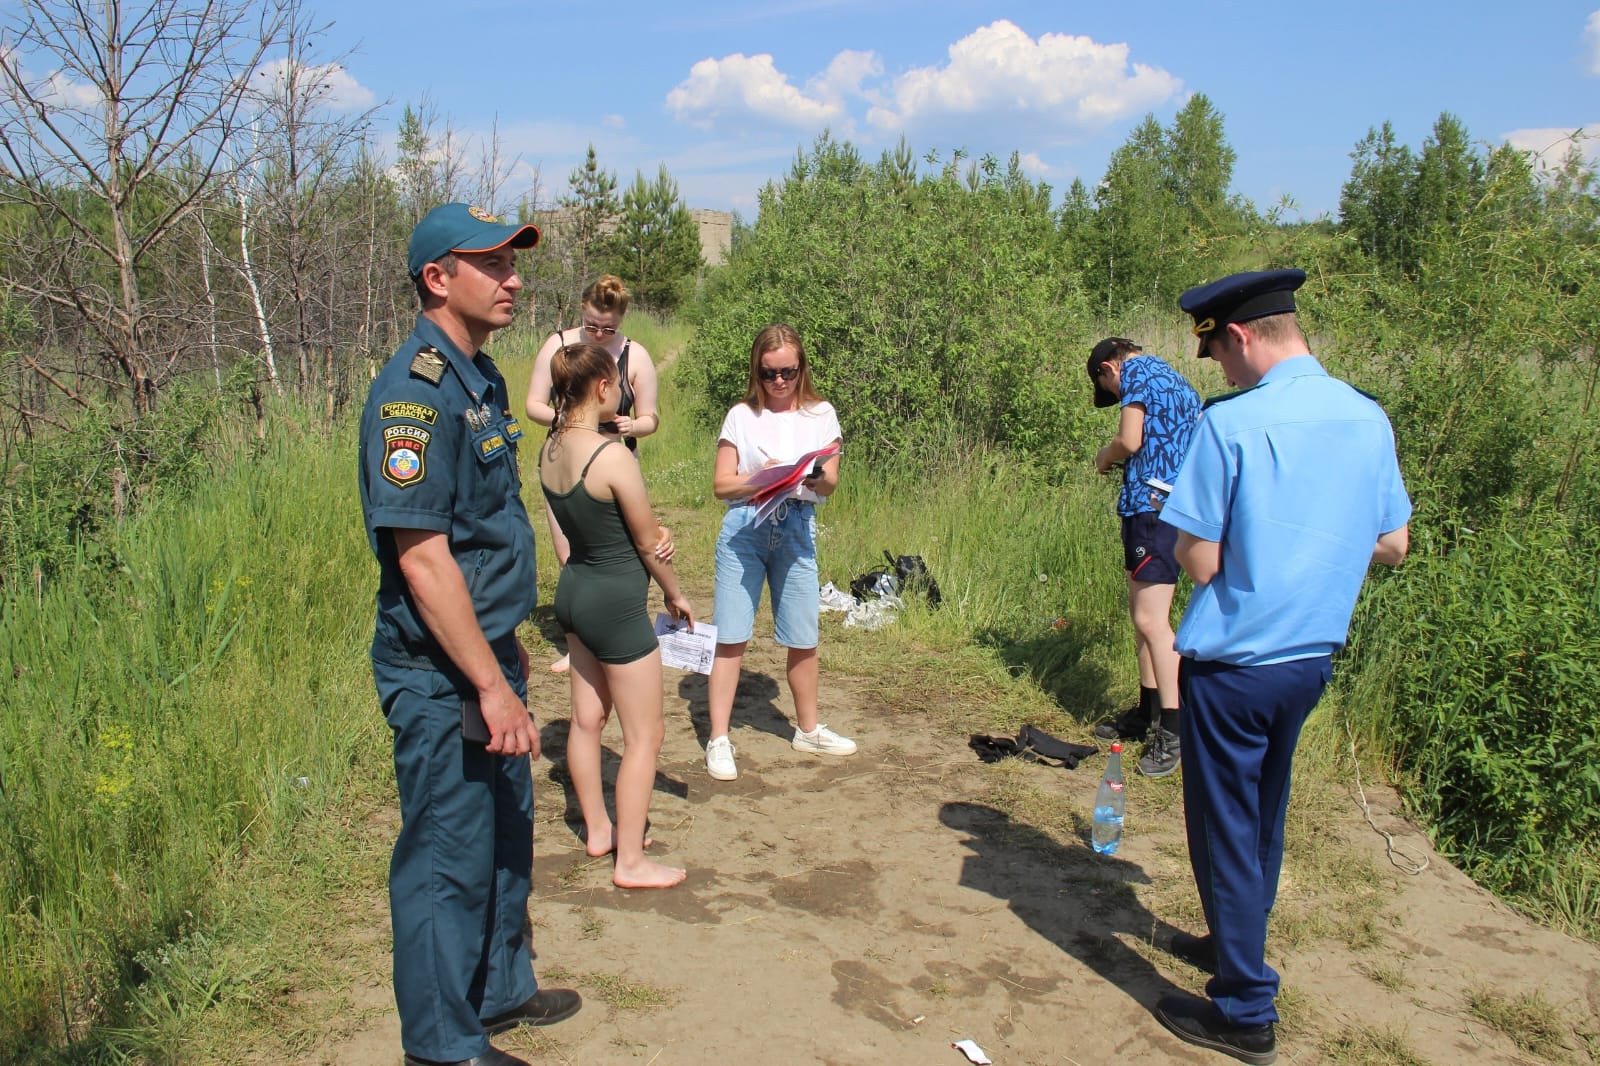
(1240, 298)
(462, 228)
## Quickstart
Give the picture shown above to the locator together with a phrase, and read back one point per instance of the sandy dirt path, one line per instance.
(875, 909)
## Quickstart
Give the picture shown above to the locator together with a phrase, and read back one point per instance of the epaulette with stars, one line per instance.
(428, 364)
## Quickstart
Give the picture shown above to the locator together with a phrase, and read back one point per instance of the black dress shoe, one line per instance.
(493, 1057)
(546, 1007)
(1196, 1021)
(1198, 951)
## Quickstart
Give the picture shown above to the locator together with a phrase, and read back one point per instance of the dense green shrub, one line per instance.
(931, 297)
(1477, 666)
(64, 487)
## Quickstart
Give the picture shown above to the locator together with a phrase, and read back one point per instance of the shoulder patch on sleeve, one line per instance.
(428, 364)
(1225, 397)
(405, 450)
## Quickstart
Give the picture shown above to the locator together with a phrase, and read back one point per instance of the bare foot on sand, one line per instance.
(603, 842)
(647, 874)
(560, 665)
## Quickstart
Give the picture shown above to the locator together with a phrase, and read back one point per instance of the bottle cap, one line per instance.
(1116, 747)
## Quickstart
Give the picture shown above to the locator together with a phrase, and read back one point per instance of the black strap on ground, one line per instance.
(1034, 745)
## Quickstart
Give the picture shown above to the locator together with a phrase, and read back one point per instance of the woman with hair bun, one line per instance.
(595, 491)
(602, 308)
(780, 420)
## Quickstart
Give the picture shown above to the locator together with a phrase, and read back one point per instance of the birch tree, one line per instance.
(101, 102)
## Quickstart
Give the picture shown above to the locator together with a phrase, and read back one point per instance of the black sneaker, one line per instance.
(1196, 1021)
(1131, 724)
(1161, 755)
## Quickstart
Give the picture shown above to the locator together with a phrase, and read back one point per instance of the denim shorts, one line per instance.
(781, 552)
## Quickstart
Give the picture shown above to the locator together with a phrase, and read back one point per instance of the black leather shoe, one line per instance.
(1196, 1021)
(546, 1007)
(1198, 951)
(493, 1057)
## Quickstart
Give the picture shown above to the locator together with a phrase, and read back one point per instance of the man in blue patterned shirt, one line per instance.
(1159, 411)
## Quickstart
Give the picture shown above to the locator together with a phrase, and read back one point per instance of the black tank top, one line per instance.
(626, 406)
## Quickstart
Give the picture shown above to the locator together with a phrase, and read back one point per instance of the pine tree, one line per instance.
(589, 214)
(656, 246)
(1375, 205)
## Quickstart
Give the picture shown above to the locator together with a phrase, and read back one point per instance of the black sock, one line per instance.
(1169, 720)
(1149, 702)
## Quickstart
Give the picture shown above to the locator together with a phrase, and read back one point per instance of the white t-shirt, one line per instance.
(781, 435)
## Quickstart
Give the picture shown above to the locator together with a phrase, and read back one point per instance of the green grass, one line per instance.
(1369, 1045)
(168, 720)
(1532, 1022)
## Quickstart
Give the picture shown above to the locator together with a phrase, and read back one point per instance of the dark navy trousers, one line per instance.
(460, 873)
(1239, 728)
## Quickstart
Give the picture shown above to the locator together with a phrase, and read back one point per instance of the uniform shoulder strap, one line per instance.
(428, 364)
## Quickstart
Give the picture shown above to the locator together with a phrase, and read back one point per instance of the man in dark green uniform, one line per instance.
(440, 493)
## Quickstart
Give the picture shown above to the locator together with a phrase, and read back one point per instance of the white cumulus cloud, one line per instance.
(1551, 144)
(1033, 166)
(1591, 44)
(1061, 86)
(737, 88)
(843, 79)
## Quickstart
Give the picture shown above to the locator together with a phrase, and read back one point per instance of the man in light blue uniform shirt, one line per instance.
(1289, 490)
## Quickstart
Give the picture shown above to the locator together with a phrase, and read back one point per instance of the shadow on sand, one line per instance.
(1081, 902)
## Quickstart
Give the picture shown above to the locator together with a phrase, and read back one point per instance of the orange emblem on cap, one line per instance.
(481, 215)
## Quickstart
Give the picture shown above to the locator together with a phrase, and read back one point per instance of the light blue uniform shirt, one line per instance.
(1296, 479)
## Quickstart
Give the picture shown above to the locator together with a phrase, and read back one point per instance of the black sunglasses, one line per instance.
(787, 373)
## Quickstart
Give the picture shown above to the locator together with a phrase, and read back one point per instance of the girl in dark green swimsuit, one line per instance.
(595, 489)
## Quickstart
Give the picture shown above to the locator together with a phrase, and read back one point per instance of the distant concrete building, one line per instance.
(716, 234)
(716, 229)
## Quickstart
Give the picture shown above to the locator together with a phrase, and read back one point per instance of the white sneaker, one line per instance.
(823, 742)
(719, 760)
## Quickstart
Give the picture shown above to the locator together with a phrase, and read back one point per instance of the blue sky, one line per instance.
(724, 93)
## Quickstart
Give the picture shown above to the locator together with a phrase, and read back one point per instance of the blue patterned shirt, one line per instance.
(1171, 409)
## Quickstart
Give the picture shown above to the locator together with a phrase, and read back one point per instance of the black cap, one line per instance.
(1240, 298)
(1102, 353)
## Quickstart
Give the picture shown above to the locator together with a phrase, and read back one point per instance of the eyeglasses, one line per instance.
(599, 331)
(787, 373)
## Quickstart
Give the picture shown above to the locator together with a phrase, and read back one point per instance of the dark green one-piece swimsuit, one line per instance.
(603, 588)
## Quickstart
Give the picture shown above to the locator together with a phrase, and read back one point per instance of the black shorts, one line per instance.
(1149, 548)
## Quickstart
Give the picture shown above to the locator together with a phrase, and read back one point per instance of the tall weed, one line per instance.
(162, 723)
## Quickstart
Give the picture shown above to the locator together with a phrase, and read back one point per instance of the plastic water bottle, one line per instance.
(1107, 835)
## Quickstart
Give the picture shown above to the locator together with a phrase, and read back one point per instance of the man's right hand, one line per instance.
(511, 728)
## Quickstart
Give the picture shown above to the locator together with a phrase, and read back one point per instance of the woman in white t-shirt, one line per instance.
(780, 420)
